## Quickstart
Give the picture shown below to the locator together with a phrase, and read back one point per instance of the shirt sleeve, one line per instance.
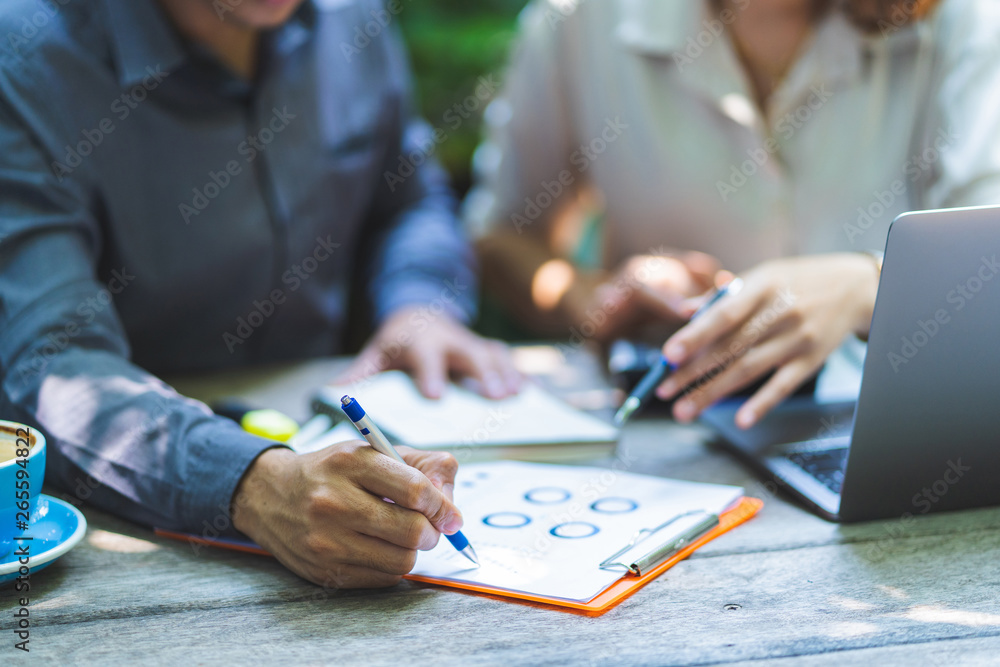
(526, 156)
(964, 133)
(421, 257)
(117, 437)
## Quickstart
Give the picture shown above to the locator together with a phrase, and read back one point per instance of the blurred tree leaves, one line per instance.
(452, 43)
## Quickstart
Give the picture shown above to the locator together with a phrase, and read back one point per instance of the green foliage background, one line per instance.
(452, 43)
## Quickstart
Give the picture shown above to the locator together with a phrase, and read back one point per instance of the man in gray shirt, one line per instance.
(199, 184)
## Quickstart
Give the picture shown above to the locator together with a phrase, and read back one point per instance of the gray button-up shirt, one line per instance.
(158, 213)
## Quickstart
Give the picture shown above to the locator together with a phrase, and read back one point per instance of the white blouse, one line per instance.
(645, 101)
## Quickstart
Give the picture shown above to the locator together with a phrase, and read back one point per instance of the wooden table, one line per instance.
(785, 586)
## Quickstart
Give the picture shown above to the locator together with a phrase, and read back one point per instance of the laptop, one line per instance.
(924, 433)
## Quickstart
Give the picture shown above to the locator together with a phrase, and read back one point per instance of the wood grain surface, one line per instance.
(785, 587)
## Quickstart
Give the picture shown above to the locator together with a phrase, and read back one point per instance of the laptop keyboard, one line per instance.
(826, 465)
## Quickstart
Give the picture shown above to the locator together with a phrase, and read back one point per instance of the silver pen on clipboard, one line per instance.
(692, 525)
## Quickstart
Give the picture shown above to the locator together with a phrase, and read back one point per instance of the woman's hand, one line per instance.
(789, 316)
(649, 288)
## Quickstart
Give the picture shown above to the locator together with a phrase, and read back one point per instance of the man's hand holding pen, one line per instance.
(323, 514)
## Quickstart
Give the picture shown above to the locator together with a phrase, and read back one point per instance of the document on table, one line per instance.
(462, 418)
(544, 529)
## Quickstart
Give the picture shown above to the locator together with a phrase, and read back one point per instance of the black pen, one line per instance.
(658, 373)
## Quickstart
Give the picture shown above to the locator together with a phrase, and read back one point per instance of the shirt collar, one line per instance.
(144, 41)
(659, 27)
(297, 30)
(839, 56)
(686, 32)
(834, 57)
(690, 32)
(666, 27)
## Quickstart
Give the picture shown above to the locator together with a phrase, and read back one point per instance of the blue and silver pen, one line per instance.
(381, 444)
(658, 373)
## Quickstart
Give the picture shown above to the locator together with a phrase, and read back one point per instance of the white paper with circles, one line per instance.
(544, 529)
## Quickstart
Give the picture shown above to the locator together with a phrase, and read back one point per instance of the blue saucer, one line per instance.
(56, 527)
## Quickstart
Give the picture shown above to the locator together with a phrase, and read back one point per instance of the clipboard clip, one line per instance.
(686, 528)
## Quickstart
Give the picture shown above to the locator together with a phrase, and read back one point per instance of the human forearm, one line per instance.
(424, 261)
(123, 441)
(510, 265)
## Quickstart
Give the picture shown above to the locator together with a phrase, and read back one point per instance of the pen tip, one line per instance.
(345, 399)
(470, 553)
(630, 405)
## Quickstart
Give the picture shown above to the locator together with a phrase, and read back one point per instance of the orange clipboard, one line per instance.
(743, 511)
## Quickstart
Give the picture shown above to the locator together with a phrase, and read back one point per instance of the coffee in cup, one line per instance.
(22, 472)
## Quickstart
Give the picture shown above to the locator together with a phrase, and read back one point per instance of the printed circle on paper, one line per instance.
(506, 520)
(574, 530)
(547, 495)
(614, 505)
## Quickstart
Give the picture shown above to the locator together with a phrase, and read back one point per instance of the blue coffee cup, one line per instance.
(22, 471)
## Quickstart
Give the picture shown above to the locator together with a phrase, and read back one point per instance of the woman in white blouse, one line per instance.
(773, 138)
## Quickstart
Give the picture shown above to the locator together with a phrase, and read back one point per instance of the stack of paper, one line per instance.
(532, 425)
